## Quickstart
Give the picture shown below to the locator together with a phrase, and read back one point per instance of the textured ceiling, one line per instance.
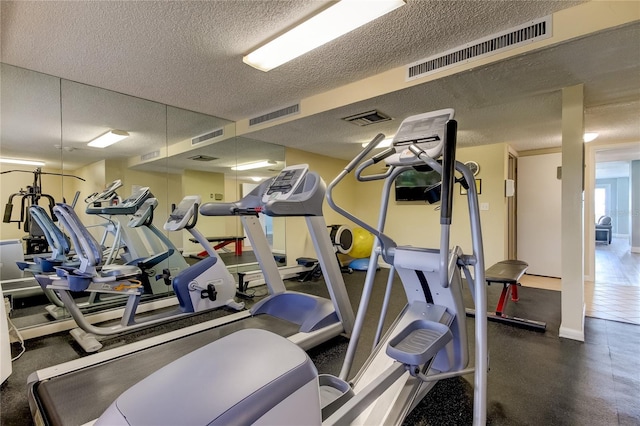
(189, 54)
(517, 101)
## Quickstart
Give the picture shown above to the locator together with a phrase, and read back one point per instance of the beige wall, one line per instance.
(413, 223)
(94, 181)
(166, 188)
(298, 241)
(232, 193)
(493, 160)
(11, 183)
(206, 185)
(418, 224)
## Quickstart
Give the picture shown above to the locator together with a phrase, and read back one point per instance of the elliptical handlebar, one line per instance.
(385, 242)
(370, 162)
(358, 158)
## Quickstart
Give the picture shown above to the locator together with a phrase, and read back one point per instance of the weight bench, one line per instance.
(222, 241)
(508, 273)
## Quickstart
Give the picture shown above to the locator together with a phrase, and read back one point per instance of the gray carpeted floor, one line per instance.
(535, 378)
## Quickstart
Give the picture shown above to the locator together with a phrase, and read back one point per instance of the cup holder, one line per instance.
(78, 282)
(334, 392)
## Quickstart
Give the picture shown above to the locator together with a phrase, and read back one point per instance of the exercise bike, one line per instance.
(200, 287)
(426, 343)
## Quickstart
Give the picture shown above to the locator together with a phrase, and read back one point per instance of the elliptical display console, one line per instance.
(425, 131)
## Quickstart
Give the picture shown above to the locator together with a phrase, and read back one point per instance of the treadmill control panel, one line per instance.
(181, 215)
(106, 195)
(136, 197)
(143, 213)
(128, 206)
(285, 184)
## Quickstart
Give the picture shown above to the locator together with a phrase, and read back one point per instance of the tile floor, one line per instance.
(615, 294)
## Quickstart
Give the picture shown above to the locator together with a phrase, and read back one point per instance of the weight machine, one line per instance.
(36, 241)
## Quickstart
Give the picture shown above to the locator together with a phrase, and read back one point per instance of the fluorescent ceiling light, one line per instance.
(25, 162)
(256, 179)
(109, 138)
(331, 23)
(384, 143)
(254, 165)
(588, 137)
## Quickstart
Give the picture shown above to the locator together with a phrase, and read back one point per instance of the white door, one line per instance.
(539, 214)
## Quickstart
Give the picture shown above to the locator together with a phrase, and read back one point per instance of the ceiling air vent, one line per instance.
(202, 158)
(207, 136)
(150, 155)
(367, 118)
(274, 115)
(530, 32)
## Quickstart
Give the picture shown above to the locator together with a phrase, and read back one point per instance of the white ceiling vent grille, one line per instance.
(530, 32)
(274, 115)
(367, 118)
(207, 136)
(150, 155)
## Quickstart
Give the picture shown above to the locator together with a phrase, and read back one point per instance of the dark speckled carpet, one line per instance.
(535, 378)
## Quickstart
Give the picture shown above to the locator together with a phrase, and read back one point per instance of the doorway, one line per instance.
(512, 213)
(614, 292)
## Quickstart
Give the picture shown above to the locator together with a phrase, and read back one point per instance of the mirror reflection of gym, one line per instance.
(162, 153)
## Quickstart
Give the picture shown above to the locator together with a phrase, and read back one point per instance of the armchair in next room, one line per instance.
(604, 229)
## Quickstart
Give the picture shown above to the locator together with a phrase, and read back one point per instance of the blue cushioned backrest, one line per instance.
(87, 248)
(58, 242)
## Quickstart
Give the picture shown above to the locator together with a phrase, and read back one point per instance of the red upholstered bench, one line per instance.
(222, 241)
(508, 273)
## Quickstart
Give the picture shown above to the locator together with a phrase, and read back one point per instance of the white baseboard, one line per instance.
(635, 249)
(572, 333)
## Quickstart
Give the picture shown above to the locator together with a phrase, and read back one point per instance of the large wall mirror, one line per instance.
(171, 151)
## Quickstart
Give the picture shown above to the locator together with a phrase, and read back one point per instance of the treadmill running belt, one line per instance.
(83, 395)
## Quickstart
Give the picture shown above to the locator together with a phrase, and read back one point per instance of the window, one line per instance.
(600, 199)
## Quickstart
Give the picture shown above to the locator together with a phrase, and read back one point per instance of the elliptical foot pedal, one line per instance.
(334, 392)
(420, 341)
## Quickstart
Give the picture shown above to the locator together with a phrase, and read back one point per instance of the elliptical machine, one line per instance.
(426, 343)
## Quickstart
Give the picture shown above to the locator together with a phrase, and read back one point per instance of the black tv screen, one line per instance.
(414, 185)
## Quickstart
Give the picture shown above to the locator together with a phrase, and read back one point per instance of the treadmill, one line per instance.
(79, 391)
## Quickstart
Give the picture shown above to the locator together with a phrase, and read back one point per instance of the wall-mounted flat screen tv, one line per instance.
(418, 185)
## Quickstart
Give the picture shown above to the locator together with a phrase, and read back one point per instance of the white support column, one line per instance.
(572, 325)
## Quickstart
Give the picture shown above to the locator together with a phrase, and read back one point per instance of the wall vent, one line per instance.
(202, 158)
(274, 115)
(207, 136)
(530, 32)
(367, 118)
(150, 155)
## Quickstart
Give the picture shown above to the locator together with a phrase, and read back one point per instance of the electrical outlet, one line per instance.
(484, 206)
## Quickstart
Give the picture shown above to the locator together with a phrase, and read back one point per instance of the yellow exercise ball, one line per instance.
(362, 243)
